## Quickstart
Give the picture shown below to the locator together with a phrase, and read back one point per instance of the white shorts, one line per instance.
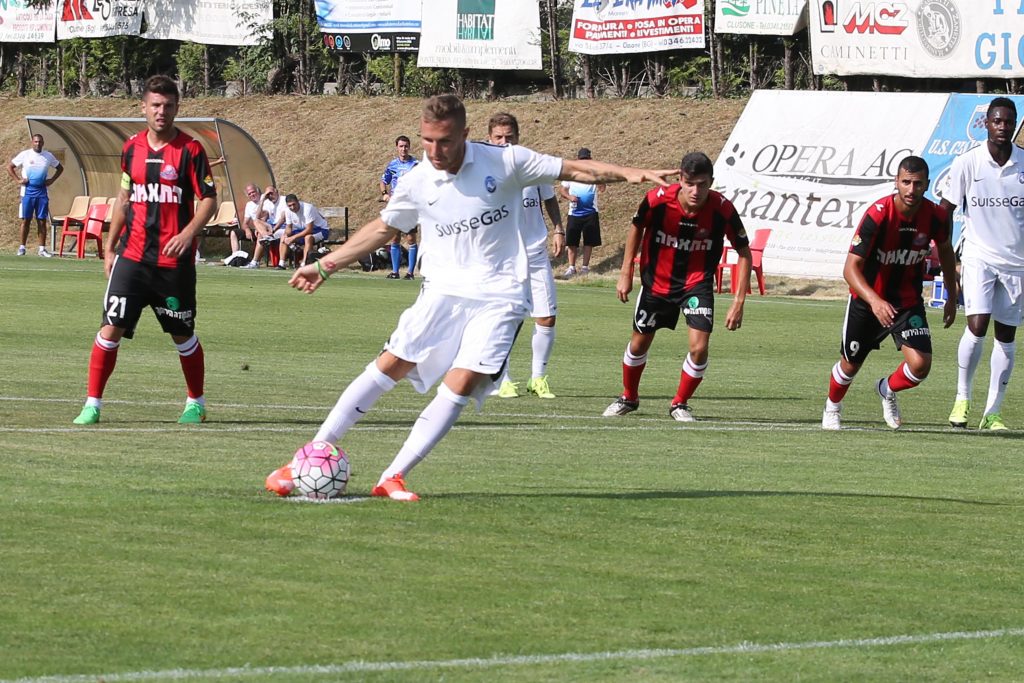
(542, 286)
(992, 291)
(440, 332)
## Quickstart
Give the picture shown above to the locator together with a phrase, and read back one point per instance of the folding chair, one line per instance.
(757, 246)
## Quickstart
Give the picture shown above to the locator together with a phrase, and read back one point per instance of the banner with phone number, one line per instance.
(603, 27)
(20, 23)
(98, 18)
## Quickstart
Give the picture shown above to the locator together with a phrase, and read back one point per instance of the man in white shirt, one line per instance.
(468, 202)
(306, 227)
(503, 129)
(987, 184)
(34, 178)
(269, 222)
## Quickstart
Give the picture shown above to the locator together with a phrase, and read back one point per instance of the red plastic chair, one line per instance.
(757, 246)
(94, 222)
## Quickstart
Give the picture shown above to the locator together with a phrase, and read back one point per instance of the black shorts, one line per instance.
(170, 292)
(588, 227)
(862, 333)
(654, 312)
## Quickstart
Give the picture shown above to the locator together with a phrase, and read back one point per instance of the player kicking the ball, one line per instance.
(467, 201)
(885, 268)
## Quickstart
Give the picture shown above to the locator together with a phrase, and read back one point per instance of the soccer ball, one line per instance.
(320, 470)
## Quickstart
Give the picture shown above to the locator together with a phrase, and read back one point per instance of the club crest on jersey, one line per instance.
(856, 240)
(168, 172)
(1020, 178)
(490, 184)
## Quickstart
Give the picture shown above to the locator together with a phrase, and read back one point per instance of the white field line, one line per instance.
(499, 661)
(568, 422)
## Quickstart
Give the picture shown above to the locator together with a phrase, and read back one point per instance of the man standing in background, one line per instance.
(396, 168)
(584, 221)
(34, 179)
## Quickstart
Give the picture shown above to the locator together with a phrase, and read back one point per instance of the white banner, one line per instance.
(211, 22)
(368, 16)
(602, 27)
(807, 164)
(98, 18)
(20, 23)
(918, 38)
(481, 34)
(761, 17)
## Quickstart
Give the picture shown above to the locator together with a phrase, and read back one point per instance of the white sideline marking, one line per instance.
(744, 648)
(632, 426)
(327, 501)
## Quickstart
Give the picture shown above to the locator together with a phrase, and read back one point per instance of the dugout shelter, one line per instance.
(90, 150)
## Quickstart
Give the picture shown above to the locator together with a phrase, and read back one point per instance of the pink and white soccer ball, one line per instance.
(320, 470)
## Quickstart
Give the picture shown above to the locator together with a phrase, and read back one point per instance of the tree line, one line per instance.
(295, 60)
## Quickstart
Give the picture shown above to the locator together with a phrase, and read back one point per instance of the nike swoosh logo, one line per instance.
(432, 202)
(361, 412)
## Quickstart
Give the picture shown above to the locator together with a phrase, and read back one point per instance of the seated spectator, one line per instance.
(269, 223)
(306, 227)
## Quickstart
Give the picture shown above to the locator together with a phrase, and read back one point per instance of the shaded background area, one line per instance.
(332, 150)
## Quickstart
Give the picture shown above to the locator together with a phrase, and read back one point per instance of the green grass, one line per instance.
(142, 545)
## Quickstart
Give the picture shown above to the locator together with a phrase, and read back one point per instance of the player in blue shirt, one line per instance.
(397, 168)
(34, 178)
(584, 221)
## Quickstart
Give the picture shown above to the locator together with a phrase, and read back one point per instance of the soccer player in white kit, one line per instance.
(503, 129)
(467, 201)
(987, 184)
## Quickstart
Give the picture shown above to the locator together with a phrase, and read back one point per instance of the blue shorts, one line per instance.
(34, 206)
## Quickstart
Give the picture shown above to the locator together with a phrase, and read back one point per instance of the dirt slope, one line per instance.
(331, 150)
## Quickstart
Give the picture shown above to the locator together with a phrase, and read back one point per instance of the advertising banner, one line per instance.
(236, 22)
(918, 38)
(372, 42)
(20, 23)
(604, 27)
(368, 16)
(960, 128)
(761, 17)
(370, 25)
(481, 34)
(98, 18)
(807, 164)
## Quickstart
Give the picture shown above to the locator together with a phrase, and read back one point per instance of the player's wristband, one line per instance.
(320, 270)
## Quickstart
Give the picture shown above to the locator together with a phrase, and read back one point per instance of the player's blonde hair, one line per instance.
(445, 108)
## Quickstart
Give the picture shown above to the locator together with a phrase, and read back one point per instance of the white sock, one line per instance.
(1003, 356)
(633, 361)
(354, 403)
(543, 341)
(968, 356)
(93, 402)
(430, 427)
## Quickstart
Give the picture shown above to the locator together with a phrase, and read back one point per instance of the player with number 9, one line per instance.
(885, 268)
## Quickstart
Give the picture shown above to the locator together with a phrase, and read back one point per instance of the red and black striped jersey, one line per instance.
(894, 248)
(680, 250)
(162, 185)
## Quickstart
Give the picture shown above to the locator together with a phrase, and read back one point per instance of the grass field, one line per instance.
(550, 544)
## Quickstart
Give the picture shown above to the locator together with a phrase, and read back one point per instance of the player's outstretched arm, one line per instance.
(371, 236)
(947, 260)
(590, 171)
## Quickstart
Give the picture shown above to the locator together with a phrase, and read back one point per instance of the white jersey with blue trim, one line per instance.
(469, 222)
